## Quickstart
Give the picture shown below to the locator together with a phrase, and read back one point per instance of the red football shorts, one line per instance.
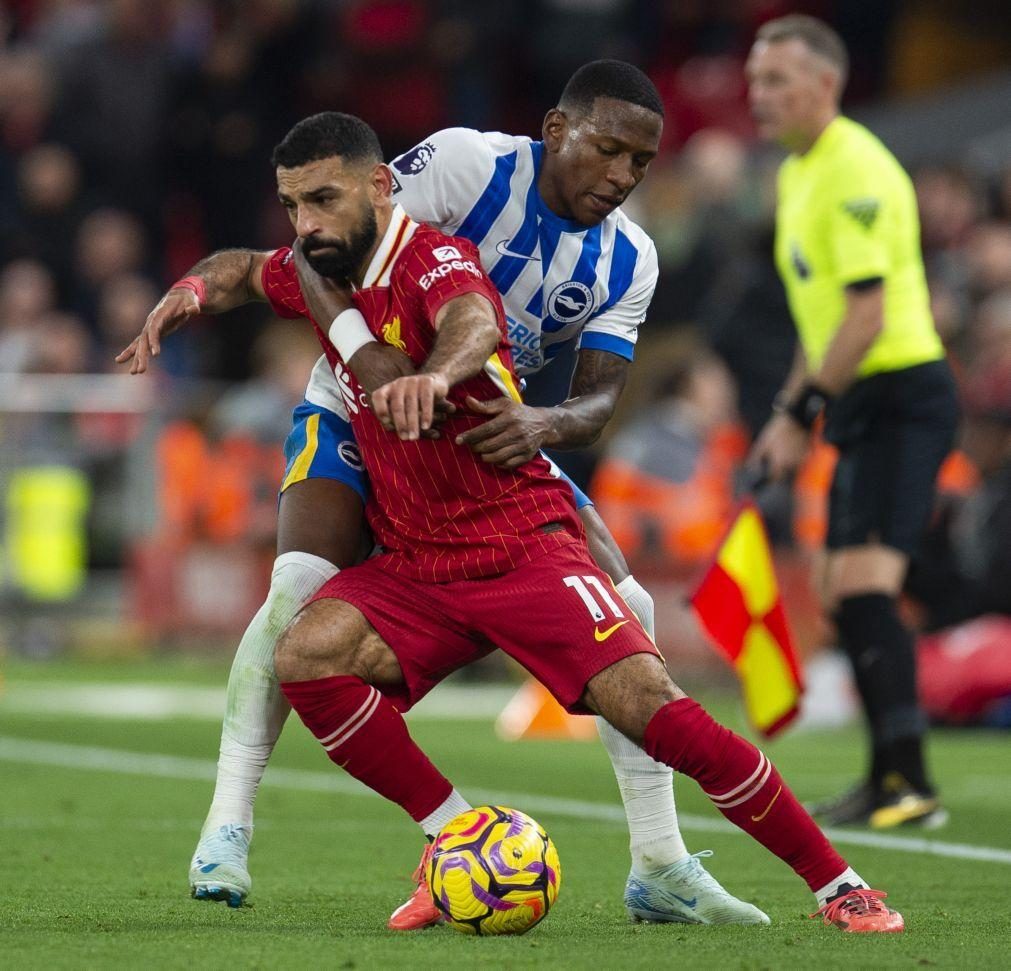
(558, 615)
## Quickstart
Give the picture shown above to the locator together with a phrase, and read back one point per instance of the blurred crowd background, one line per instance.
(135, 137)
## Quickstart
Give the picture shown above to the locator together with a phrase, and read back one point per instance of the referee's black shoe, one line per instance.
(894, 803)
(898, 803)
(852, 808)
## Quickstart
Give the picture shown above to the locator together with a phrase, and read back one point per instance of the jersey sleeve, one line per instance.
(438, 181)
(631, 282)
(857, 225)
(280, 284)
(441, 268)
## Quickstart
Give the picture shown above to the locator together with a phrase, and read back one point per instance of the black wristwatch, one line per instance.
(806, 406)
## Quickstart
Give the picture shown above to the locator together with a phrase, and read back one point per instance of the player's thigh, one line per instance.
(559, 616)
(323, 490)
(323, 517)
(416, 620)
(331, 638)
(604, 550)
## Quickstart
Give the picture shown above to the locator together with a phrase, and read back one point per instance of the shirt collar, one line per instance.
(830, 134)
(558, 223)
(400, 230)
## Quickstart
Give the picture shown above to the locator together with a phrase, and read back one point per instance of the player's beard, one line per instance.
(342, 261)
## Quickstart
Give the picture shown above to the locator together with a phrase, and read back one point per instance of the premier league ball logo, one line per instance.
(570, 303)
(412, 162)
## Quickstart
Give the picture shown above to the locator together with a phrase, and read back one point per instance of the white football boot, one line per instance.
(218, 870)
(686, 893)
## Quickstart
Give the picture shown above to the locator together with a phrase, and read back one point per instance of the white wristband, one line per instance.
(349, 333)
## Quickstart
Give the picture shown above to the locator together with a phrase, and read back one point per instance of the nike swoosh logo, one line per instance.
(688, 903)
(603, 635)
(502, 248)
(758, 819)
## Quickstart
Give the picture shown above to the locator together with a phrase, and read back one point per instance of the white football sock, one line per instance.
(849, 875)
(646, 786)
(256, 709)
(449, 810)
(641, 603)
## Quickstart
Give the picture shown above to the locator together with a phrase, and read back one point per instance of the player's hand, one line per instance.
(324, 297)
(513, 434)
(780, 448)
(173, 310)
(408, 405)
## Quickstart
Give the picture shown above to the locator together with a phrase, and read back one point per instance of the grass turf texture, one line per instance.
(93, 864)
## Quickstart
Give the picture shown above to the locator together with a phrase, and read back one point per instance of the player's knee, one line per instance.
(629, 693)
(294, 581)
(320, 642)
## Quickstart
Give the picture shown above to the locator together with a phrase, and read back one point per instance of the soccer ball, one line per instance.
(493, 871)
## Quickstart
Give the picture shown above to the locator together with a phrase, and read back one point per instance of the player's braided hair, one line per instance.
(328, 134)
(609, 79)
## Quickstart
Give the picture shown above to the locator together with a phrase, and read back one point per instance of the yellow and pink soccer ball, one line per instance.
(493, 870)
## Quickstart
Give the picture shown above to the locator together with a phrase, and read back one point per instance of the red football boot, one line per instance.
(419, 911)
(862, 912)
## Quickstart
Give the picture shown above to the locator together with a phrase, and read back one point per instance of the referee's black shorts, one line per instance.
(893, 430)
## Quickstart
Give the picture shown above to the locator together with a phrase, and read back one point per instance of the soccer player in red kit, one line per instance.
(474, 556)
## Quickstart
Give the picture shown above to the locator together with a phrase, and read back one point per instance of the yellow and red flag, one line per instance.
(739, 604)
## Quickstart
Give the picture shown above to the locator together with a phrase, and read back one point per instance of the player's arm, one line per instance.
(330, 304)
(219, 282)
(515, 432)
(467, 334)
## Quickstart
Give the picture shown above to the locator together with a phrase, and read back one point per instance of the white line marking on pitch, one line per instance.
(156, 702)
(181, 767)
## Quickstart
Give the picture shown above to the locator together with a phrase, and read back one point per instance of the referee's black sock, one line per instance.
(882, 652)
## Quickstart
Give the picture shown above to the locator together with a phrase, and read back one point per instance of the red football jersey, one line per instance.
(439, 512)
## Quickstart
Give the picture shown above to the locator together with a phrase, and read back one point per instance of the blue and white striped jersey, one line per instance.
(560, 281)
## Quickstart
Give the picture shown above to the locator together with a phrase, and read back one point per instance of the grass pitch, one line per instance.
(99, 815)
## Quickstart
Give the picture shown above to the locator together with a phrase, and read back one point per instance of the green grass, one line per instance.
(93, 863)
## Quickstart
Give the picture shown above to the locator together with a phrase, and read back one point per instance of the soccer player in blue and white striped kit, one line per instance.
(571, 267)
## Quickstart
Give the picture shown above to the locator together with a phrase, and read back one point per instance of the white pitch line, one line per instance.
(158, 702)
(96, 759)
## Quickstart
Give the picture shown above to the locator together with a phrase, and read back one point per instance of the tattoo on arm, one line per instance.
(232, 278)
(599, 372)
(467, 336)
(597, 383)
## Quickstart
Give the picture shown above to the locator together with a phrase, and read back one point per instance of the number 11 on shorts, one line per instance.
(582, 586)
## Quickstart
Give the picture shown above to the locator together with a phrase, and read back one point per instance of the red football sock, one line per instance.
(366, 736)
(744, 785)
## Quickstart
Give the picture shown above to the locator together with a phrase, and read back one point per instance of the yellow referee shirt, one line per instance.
(847, 212)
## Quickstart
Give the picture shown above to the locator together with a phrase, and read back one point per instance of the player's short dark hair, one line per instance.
(326, 135)
(819, 38)
(609, 79)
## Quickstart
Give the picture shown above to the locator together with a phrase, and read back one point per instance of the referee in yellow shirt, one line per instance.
(870, 360)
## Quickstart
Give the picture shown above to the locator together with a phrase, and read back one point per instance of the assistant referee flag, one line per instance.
(739, 604)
